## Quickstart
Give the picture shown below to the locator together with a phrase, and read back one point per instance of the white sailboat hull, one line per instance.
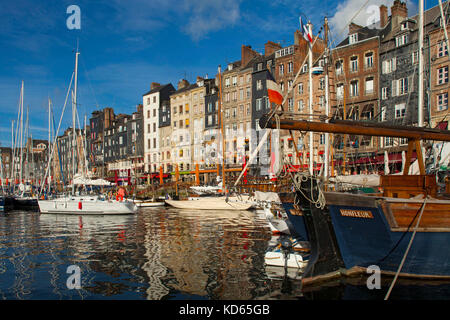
(211, 203)
(86, 206)
(146, 204)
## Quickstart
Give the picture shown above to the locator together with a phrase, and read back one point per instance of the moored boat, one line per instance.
(212, 203)
(87, 205)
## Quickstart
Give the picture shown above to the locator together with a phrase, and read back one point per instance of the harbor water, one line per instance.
(159, 254)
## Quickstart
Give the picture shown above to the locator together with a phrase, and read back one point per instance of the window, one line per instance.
(290, 84)
(322, 139)
(339, 67)
(415, 57)
(227, 82)
(384, 93)
(369, 85)
(301, 105)
(290, 104)
(305, 68)
(290, 67)
(281, 69)
(400, 110)
(322, 83)
(442, 48)
(368, 60)
(258, 104)
(442, 75)
(389, 65)
(401, 40)
(354, 64)
(300, 88)
(234, 80)
(353, 38)
(404, 26)
(354, 88)
(402, 86)
(442, 101)
(259, 85)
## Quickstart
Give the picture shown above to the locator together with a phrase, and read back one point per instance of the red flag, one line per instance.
(274, 92)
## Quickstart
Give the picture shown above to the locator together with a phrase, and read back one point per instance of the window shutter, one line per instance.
(394, 88)
(411, 83)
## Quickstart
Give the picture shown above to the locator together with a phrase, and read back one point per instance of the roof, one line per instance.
(157, 89)
(363, 34)
(187, 88)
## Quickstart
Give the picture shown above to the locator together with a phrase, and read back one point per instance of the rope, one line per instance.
(406, 252)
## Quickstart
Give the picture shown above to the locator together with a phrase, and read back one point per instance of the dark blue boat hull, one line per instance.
(370, 241)
(347, 236)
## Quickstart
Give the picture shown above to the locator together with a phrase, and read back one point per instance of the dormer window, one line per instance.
(353, 38)
(404, 26)
(230, 67)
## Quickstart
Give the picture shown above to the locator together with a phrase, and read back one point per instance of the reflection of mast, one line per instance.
(153, 267)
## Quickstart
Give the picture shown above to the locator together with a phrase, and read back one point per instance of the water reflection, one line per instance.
(155, 254)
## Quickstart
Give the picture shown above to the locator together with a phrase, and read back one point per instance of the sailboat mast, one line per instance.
(311, 138)
(327, 104)
(420, 106)
(21, 135)
(221, 129)
(74, 105)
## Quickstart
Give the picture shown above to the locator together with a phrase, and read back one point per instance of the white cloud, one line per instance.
(368, 14)
(194, 18)
(347, 10)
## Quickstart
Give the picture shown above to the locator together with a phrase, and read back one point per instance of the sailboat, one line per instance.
(82, 204)
(402, 232)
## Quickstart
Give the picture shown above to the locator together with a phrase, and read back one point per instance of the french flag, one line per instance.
(274, 92)
(305, 31)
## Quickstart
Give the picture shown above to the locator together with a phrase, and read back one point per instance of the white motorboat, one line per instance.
(86, 205)
(213, 203)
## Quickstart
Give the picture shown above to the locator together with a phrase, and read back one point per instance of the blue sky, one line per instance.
(126, 45)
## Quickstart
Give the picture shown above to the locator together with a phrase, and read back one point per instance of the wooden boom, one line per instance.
(358, 128)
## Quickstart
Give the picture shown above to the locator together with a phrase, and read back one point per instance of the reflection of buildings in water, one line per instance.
(18, 251)
(155, 270)
(96, 244)
(216, 254)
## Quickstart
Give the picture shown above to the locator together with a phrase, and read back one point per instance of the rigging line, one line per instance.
(407, 250)
(89, 82)
(56, 135)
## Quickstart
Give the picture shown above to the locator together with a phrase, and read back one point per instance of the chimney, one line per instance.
(383, 16)
(154, 85)
(182, 84)
(270, 47)
(353, 28)
(399, 12)
(247, 54)
(140, 108)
